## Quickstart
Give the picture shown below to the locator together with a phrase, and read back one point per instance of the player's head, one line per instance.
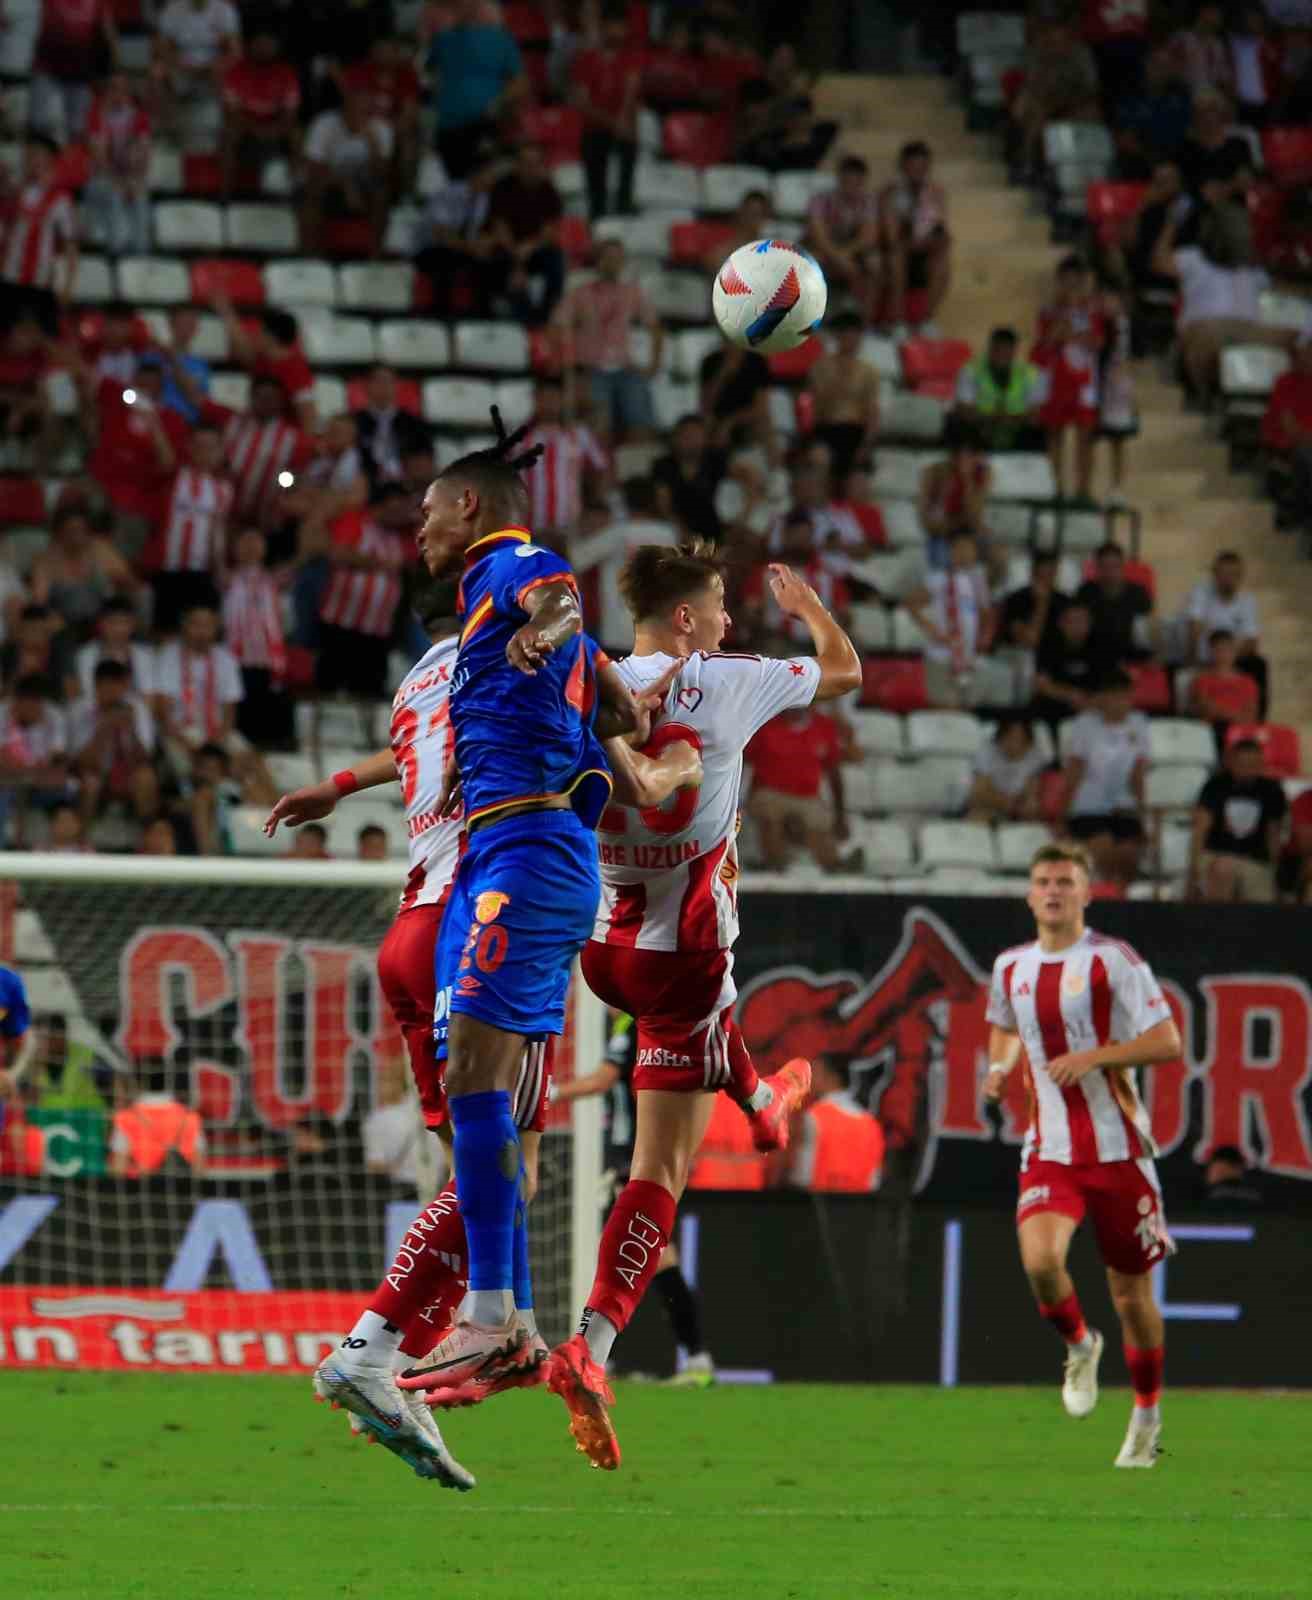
(677, 592)
(371, 843)
(475, 495)
(434, 604)
(1059, 886)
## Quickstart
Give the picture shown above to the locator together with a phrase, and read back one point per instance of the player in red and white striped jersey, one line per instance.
(1084, 1011)
(258, 447)
(569, 450)
(39, 260)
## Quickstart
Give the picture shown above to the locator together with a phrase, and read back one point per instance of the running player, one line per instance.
(662, 948)
(1084, 1011)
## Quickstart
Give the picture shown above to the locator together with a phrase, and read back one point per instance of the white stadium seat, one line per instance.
(246, 829)
(376, 285)
(1285, 310)
(1088, 142)
(887, 846)
(188, 225)
(266, 230)
(1178, 741)
(1251, 369)
(871, 627)
(501, 346)
(1017, 842)
(665, 186)
(329, 396)
(680, 296)
(646, 236)
(277, 179)
(882, 355)
(339, 341)
(147, 281)
(399, 236)
(907, 636)
(292, 771)
(231, 389)
(897, 472)
(793, 192)
(893, 575)
(93, 281)
(1174, 788)
(878, 733)
(414, 344)
(944, 733)
(569, 180)
(961, 881)
(346, 822)
(300, 283)
(902, 522)
(672, 399)
(989, 32)
(515, 399)
(783, 411)
(936, 786)
(912, 416)
(165, 170)
(211, 341)
(458, 402)
(691, 347)
(724, 187)
(957, 844)
(1022, 477)
(432, 176)
(1079, 532)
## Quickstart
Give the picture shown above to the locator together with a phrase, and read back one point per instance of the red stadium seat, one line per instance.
(692, 242)
(1266, 209)
(796, 363)
(1152, 687)
(22, 501)
(352, 237)
(558, 129)
(241, 281)
(936, 361)
(576, 239)
(407, 395)
(1288, 153)
(1111, 206)
(1280, 746)
(1135, 572)
(700, 138)
(895, 684)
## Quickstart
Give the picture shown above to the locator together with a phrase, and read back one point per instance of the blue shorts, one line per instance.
(522, 906)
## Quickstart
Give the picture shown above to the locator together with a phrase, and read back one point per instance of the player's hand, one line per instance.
(793, 595)
(302, 805)
(995, 1086)
(451, 800)
(528, 649)
(1068, 1069)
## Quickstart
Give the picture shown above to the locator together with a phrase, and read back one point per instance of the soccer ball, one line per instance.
(769, 296)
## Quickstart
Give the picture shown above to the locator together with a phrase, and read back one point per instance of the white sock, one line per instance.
(1147, 1416)
(760, 1097)
(373, 1341)
(491, 1308)
(528, 1319)
(601, 1334)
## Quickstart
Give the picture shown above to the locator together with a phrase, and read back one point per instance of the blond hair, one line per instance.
(1063, 850)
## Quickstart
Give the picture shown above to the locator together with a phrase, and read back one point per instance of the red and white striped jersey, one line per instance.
(199, 685)
(35, 744)
(40, 222)
(421, 742)
(1098, 991)
(365, 599)
(252, 619)
(195, 521)
(669, 874)
(555, 480)
(256, 452)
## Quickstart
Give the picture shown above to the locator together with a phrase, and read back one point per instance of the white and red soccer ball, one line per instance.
(769, 296)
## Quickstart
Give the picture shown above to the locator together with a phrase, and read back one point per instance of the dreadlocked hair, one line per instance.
(657, 577)
(495, 472)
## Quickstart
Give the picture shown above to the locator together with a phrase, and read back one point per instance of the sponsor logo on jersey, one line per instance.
(487, 908)
(1022, 990)
(1074, 983)
(663, 1058)
(1036, 1195)
(528, 550)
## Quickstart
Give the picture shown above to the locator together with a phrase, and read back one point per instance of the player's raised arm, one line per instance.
(555, 616)
(836, 655)
(318, 800)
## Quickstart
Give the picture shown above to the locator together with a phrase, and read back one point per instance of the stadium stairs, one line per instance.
(1177, 473)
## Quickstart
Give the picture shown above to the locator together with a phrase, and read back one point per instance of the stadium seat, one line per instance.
(338, 341)
(94, 280)
(1077, 141)
(1022, 477)
(646, 236)
(1285, 310)
(680, 296)
(501, 346)
(266, 230)
(691, 347)
(570, 181)
(793, 365)
(1251, 370)
(793, 192)
(697, 138)
(1071, 532)
(1109, 206)
(291, 771)
(907, 636)
(414, 344)
(375, 286)
(1179, 741)
(936, 786)
(1016, 843)
(895, 683)
(1175, 788)
(146, 281)
(300, 283)
(724, 187)
(187, 225)
(902, 523)
(399, 235)
(989, 32)
(1280, 745)
(277, 179)
(918, 418)
(1288, 155)
(458, 402)
(957, 844)
(892, 575)
(246, 831)
(240, 281)
(558, 129)
(408, 397)
(329, 396)
(882, 355)
(666, 186)
(928, 362)
(21, 501)
(897, 473)
(231, 389)
(1152, 687)
(878, 733)
(944, 733)
(672, 399)
(887, 846)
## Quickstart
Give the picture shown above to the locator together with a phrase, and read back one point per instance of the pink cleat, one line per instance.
(791, 1085)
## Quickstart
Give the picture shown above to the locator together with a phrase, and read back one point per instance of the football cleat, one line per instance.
(472, 1350)
(1142, 1443)
(698, 1373)
(1079, 1384)
(473, 1391)
(381, 1413)
(791, 1085)
(581, 1384)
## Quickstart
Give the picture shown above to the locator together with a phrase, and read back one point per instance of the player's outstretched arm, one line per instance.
(1160, 1043)
(320, 799)
(836, 656)
(1004, 1053)
(554, 617)
(641, 780)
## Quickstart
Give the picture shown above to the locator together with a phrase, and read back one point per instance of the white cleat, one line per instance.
(382, 1412)
(474, 1350)
(1142, 1444)
(1079, 1385)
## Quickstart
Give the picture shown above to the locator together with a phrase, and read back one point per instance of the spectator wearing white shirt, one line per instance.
(1005, 787)
(111, 737)
(1222, 602)
(956, 614)
(196, 41)
(393, 1132)
(347, 154)
(115, 640)
(33, 753)
(608, 550)
(1105, 767)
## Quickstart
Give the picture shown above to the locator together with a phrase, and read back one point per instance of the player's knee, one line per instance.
(1045, 1272)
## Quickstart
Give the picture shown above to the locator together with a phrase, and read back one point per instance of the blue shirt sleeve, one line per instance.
(522, 569)
(15, 1016)
(511, 64)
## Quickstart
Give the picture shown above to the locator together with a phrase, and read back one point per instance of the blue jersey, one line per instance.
(521, 737)
(15, 1018)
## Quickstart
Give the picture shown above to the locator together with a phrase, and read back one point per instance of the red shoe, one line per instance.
(473, 1391)
(581, 1384)
(791, 1085)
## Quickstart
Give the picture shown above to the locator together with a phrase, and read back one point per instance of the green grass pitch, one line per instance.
(219, 1488)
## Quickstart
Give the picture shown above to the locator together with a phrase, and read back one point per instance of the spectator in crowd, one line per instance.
(26, 414)
(309, 842)
(842, 232)
(117, 196)
(1165, 200)
(260, 449)
(1287, 435)
(671, 69)
(40, 648)
(478, 78)
(272, 349)
(158, 838)
(1201, 52)
(608, 549)
(393, 1131)
(1061, 85)
(844, 391)
(835, 534)
(794, 758)
(572, 460)
(1118, 414)
(79, 570)
(1216, 160)
(191, 548)
(77, 44)
(1239, 817)
(1151, 122)
(137, 446)
(211, 793)
(954, 493)
(68, 836)
(116, 640)
(385, 432)
(195, 43)
(333, 481)
(115, 349)
(1228, 1179)
(1029, 615)
(366, 550)
(1106, 765)
(111, 737)
(750, 221)
(957, 617)
(450, 241)
(33, 755)
(348, 154)
(1120, 608)
(261, 102)
(594, 325)
(1005, 785)
(156, 1134)
(388, 82)
(796, 539)
(838, 1147)
(607, 84)
(40, 250)
(1255, 56)
(685, 479)
(734, 394)
(1068, 665)
(1219, 693)
(1222, 601)
(186, 376)
(913, 225)
(999, 396)
(252, 626)
(527, 266)
(197, 689)
(1070, 336)
(781, 132)
(417, 471)
(1116, 31)
(371, 843)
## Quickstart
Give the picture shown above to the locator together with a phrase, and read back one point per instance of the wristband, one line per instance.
(997, 1066)
(345, 782)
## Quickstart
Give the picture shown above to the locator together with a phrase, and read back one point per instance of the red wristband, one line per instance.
(345, 781)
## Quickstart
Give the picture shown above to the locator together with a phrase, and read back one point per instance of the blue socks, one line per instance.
(487, 1169)
(523, 1276)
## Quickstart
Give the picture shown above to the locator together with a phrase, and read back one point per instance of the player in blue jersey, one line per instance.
(16, 1039)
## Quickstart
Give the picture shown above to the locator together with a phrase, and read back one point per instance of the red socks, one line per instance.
(746, 1079)
(1066, 1317)
(430, 1269)
(632, 1244)
(1146, 1373)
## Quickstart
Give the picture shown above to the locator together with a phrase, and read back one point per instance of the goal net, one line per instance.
(244, 993)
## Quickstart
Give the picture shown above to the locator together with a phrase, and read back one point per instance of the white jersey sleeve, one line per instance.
(1138, 1003)
(421, 742)
(750, 690)
(1000, 1013)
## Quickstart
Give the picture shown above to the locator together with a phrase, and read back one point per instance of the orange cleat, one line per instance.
(791, 1085)
(581, 1384)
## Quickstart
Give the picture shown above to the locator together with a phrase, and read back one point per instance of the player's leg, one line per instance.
(1048, 1213)
(684, 1314)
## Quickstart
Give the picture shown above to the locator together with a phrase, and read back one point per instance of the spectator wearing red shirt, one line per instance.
(40, 252)
(523, 223)
(607, 83)
(792, 758)
(1116, 31)
(671, 73)
(189, 548)
(366, 552)
(726, 64)
(112, 345)
(138, 445)
(116, 196)
(261, 97)
(1287, 432)
(272, 349)
(77, 42)
(389, 85)
(1219, 692)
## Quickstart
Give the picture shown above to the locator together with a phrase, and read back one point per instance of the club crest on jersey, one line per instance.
(1073, 983)
(487, 908)
(528, 550)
